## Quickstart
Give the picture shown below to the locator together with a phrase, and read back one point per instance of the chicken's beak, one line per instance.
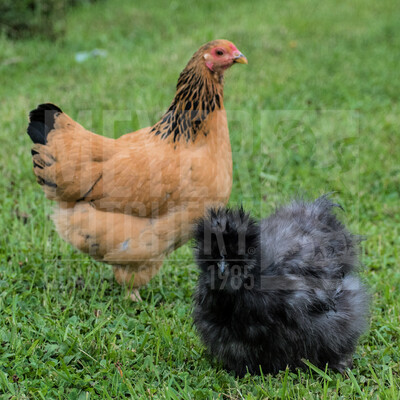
(221, 266)
(240, 58)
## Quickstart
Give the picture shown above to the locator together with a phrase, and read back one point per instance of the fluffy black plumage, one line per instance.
(273, 293)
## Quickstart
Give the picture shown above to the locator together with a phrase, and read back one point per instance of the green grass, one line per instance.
(316, 110)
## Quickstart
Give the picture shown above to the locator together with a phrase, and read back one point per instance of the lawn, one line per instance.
(316, 110)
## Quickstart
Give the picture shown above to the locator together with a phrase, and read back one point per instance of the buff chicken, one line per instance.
(131, 201)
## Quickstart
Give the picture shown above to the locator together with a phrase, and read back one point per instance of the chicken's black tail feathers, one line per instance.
(41, 122)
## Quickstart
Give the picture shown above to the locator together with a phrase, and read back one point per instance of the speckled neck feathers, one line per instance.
(198, 93)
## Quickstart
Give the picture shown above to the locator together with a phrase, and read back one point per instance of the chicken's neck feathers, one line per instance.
(198, 94)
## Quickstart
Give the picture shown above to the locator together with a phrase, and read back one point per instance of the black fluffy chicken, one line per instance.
(274, 292)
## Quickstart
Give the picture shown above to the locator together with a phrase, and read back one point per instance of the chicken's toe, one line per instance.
(135, 295)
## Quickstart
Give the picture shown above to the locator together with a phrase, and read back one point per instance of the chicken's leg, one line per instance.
(136, 275)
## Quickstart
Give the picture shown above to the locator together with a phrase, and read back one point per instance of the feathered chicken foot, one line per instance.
(136, 275)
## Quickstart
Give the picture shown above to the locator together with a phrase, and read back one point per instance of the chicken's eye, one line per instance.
(219, 52)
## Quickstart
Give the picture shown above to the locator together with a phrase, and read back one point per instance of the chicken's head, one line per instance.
(219, 55)
(227, 243)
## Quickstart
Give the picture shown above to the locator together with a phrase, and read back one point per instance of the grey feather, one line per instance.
(296, 295)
